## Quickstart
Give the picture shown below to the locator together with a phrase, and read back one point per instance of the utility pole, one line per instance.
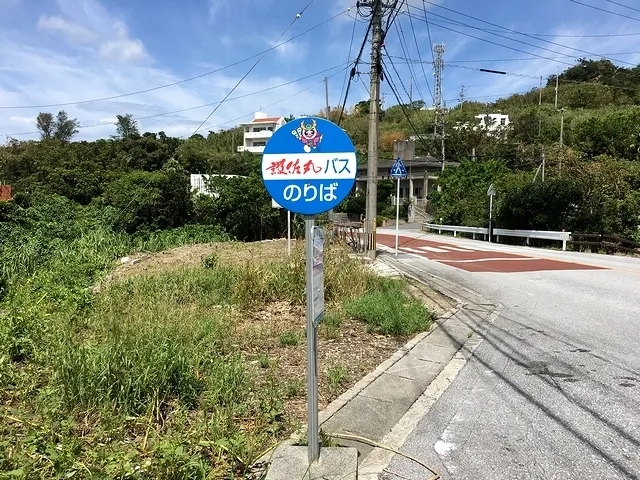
(561, 126)
(410, 90)
(438, 67)
(540, 90)
(374, 118)
(543, 165)
(556, 103)
(326, 91)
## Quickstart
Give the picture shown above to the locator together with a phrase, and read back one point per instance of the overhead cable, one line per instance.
(179, 82)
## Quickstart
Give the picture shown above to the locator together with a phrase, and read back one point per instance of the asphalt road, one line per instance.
(553, 390)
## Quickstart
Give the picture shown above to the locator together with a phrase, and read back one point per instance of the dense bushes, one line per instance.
(586, 196)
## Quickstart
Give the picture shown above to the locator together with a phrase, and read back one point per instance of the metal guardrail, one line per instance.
(456, 228)
(563, 237)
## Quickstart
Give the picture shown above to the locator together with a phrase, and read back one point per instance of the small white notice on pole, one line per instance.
(317, 279)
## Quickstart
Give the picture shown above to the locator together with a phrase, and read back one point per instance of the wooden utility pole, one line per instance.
(374, 118)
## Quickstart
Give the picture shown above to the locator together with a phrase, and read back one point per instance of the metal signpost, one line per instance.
(491, 192)
(398, 171)
(309, 166)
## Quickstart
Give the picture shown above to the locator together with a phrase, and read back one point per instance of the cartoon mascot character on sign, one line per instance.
(308, 134)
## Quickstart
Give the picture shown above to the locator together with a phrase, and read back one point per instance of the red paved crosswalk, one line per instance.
(476, 258)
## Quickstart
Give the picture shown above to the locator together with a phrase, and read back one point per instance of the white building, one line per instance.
(493, 121)
(258, 132)
(198, 183)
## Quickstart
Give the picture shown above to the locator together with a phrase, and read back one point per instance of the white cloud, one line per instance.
(22, 120)
(72, 31)
(123, 49)
(71, 78)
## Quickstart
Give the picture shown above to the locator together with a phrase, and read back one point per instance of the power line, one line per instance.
(415, 38)
(624, 6)
(426, 20)
(606, 11)
(511, 31)
(179, 82)
(272, 104)
(401, 36)
(554, 35)
(354, 69)
(346, 72)
(298, 15)
(529, 59)
(398, 99)
(496, 43)
(273, 87)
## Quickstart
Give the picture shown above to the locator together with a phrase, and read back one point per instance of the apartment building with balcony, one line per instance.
(258, 132)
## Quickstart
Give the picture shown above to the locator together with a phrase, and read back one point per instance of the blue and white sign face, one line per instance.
(398, 170)
(309, 166)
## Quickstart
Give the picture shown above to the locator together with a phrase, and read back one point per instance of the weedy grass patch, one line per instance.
(158, 375)
(387, 308)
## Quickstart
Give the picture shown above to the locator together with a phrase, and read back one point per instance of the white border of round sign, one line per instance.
(309, 165)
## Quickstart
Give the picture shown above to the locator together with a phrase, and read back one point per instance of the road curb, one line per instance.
(374, 461)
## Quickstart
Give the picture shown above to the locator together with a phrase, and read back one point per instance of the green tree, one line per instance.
(65, 127)
(243, 208)
(45, 124)
(149, 201)
(126, 126)
(463, 199)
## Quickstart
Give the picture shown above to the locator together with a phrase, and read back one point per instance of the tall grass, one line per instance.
(147, 373)
(389, 310)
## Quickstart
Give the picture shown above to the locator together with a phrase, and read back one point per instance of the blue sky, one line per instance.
(66, 51)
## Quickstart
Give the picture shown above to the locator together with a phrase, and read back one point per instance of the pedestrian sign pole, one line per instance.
(309, 166)
(398, 171)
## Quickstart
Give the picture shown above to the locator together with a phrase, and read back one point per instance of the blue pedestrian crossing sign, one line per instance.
(398, 170)
(309, 166)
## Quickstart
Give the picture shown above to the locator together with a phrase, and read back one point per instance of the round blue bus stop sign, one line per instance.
(309, 166)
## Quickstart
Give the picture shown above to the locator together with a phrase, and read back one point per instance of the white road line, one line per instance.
(432, 249)
(455, 249)
(487, 259)
(413, 250)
